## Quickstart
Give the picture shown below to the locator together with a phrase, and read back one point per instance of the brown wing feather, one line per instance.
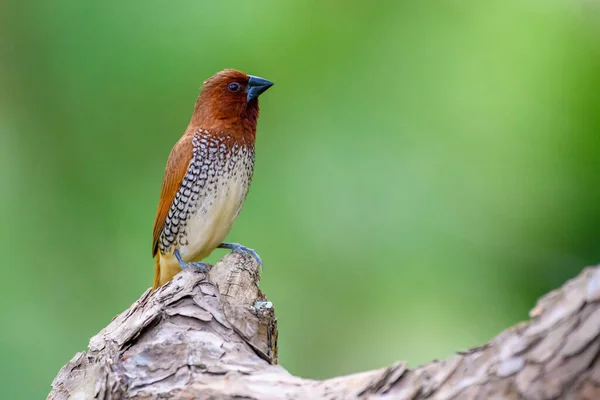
(177, 166)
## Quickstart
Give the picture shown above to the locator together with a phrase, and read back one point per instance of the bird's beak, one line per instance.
(256, 86)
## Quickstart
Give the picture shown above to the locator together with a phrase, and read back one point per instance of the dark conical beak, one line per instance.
(256, 86)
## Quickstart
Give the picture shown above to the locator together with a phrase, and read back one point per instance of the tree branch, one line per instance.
(217, 339)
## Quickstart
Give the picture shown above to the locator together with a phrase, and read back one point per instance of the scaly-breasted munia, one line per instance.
(208, 175)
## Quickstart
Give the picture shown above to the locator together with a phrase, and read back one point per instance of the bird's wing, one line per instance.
(177, 166)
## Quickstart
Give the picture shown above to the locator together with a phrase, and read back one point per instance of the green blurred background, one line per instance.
(425, 170)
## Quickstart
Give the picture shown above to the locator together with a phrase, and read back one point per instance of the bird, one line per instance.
(208, 175)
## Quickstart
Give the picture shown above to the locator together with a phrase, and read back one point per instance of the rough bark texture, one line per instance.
(217, 339)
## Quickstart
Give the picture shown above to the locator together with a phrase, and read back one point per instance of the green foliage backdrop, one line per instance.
(425, 170)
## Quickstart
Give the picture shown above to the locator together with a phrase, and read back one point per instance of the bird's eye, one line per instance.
(234, 87)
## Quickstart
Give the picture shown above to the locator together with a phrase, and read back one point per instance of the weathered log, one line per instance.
(215, 337)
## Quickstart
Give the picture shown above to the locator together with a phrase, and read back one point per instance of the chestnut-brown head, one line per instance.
(229, 101)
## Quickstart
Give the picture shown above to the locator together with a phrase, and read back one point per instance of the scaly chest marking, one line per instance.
(210, 197)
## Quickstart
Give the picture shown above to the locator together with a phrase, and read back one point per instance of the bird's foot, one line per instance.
(204, 267)
(200, 265)
(242, 249)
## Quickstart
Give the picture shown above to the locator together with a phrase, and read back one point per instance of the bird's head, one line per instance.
(229, 100)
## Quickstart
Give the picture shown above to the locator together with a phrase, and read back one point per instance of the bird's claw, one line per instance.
(200, 265)
(236, 247)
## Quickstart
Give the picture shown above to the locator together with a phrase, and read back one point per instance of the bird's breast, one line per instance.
(210, 197)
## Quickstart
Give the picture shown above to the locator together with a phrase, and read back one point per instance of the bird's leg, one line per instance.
(241, 249)
(200, 265)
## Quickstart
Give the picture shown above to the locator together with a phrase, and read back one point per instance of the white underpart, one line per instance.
(214, 215)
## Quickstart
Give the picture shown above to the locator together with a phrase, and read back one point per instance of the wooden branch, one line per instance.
(217, 339)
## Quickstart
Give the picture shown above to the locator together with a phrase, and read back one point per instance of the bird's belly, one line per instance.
(212, 219)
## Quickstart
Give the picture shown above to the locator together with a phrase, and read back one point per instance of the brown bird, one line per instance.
(208, 175)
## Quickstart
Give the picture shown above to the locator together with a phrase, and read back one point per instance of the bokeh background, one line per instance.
(425, 170)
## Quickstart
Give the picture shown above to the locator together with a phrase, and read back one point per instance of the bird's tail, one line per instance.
(157, 274)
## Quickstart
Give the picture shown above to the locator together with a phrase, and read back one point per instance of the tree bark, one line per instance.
(215, 337)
